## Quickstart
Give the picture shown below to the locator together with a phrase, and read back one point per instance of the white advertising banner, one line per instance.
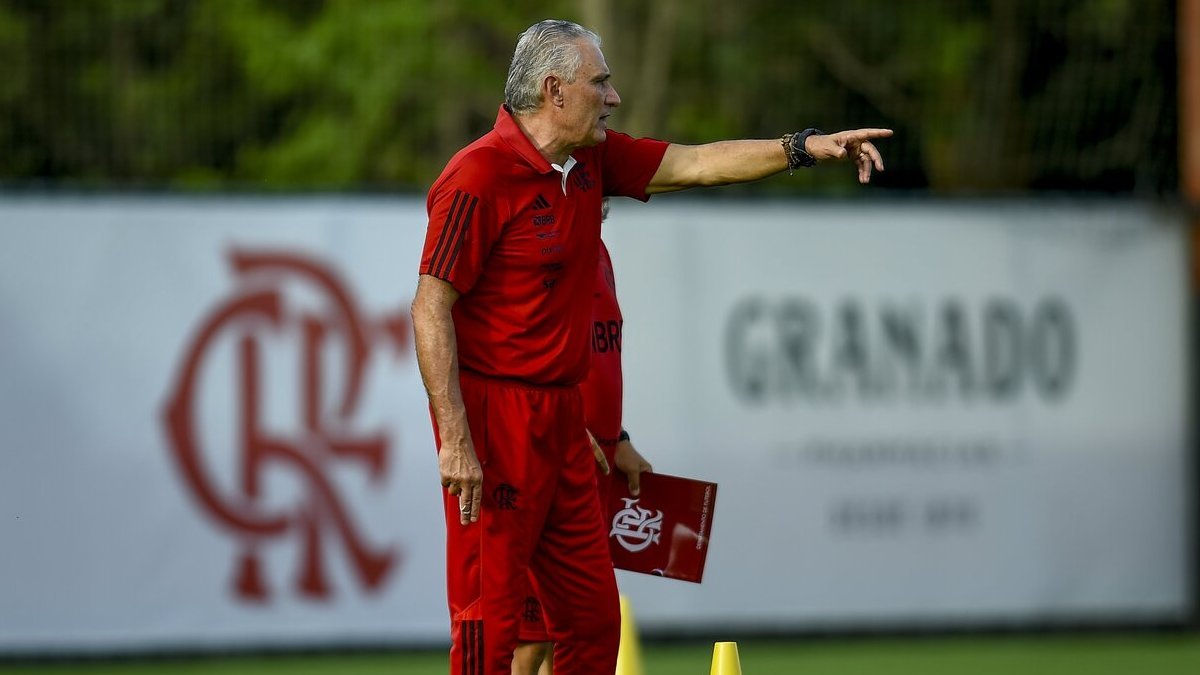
(948, 415)
(212, 426)
(213, 432)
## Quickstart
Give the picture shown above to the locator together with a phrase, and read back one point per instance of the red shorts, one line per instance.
(540, 513)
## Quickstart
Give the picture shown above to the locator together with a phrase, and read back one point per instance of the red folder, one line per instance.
(664, 530)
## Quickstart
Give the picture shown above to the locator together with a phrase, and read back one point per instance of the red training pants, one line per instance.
(540, 512)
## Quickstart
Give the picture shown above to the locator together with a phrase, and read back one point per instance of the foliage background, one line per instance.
(987, 97)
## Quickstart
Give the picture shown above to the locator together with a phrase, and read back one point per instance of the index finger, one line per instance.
(635, 482)
(476, 499)
(862, 135)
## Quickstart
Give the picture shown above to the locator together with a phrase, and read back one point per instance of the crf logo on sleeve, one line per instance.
(635, 527)
(296, 458)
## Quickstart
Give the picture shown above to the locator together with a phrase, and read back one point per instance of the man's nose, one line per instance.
(613, 99)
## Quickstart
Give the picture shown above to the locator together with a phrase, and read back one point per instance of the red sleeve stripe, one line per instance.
(454, 230)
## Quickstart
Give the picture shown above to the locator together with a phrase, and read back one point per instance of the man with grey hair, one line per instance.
(502, 320)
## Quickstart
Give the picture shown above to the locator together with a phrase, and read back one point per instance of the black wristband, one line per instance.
(793, 148)
(624, 436)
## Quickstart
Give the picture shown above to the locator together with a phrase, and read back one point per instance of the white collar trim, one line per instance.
(565, 170)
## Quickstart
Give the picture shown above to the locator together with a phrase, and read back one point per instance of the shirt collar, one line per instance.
(507, 127)
(565, 170)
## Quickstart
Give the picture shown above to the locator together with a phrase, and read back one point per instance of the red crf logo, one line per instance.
(279, 297)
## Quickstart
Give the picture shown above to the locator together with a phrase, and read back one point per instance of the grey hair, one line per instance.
(546, 47)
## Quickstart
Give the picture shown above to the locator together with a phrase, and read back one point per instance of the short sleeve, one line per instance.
(629, 164)
(461, 232)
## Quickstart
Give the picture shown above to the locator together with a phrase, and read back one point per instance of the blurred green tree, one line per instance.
(368, 92)
(997, 96)
(986, 97)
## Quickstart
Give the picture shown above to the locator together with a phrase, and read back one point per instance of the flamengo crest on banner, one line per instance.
(255, 317)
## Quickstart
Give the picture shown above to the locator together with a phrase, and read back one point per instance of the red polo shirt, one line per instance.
(520, 244)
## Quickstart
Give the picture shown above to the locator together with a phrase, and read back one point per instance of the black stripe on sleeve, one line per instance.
(443, 264)
(442, 238)
(463, 235)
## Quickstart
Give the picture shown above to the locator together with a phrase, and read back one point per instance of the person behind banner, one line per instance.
(502, 324)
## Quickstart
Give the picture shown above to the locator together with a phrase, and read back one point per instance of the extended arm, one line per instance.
(437, 357)
(728, 162)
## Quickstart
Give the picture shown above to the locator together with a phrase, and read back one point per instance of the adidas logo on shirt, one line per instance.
(540, 203)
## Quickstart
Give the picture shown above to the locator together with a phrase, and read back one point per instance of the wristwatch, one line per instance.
(793, 147)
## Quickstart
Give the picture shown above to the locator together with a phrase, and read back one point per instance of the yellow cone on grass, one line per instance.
(725, 659)
(629, 655)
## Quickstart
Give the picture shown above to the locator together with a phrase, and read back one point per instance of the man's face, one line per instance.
(588, 101)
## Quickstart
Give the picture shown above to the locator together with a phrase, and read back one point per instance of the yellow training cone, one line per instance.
(629, 655)
(725, 659)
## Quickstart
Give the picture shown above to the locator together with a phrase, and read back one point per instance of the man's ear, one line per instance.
(552, 90)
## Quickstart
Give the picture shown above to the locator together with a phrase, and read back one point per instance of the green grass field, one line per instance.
(1170, 654)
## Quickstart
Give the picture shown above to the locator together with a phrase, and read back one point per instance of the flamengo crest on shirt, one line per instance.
(635, 527)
